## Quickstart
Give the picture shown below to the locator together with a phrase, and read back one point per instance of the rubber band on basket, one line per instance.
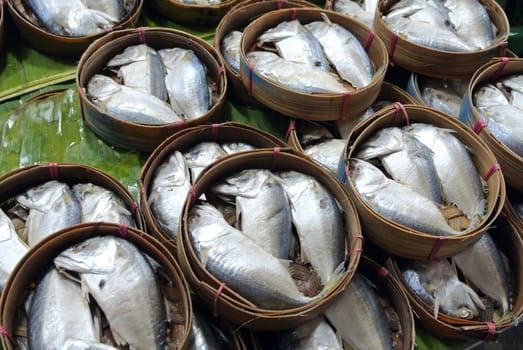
(280, 4)
(480, 125)
(123, 229)
(221, 72)
(499, 71)
(400, 107)
(275, 156)
(53, 171)
(82, 92)
(346, 173)
(353, 250)
(344, 105)
(249, 84)
(502, 49)
(179, 123)
(495, 167)
(109, 29)
(214, 131)
(491, 331)
(436, 248)
(141, 34)
(142, 190)
(293, 13)
(134, 208)
(369, 40)
(328, 5)
(216, 297)
(4, 331)
(392, 47)
(382, 274)
(194, 197)
(290, 129)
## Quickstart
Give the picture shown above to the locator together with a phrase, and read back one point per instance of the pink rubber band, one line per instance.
(480, 125)
(179, 123)
(491, 171)
(382, 274)
(109, 29)
(141, 34)
(490, 332)
(280, 4)
(290, 129)
(344, 105)
(216, 297)
(275, 155)
(192, 192)
(436, 248)
(293, 13)
(214, 131)
(400, 107)
(142, 190)
(216, 42)
(502, 49)
(369, 40)
(328, 5)
(221, 72)
(53, 171)
(392, 47)
(134, 208)
(123, 230)
(499, 71)
(4, 331)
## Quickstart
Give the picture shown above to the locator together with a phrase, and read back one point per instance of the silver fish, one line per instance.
(262, 209)
(240, 263)
(315, 334)
(372, 329)
(310, 133)
(119, 277)
(235, 147)
(354, 10)
(113, 8)
(129, 104)
(59, 311)
(202, 155)
(77, 344)
(140, 67)
(406, 159)
(205, 335)
(11, 246)
(470, 19)
(318, 221)
(100, 204)
(186, 81)
(51, 199)
(230, 48)
(396, 201)
(327, 153)
(70, 17)
(295, 76)
(445, 95)
(169, 187)
(202, 2)
(344, 51)
(460, 181)
(482, 265)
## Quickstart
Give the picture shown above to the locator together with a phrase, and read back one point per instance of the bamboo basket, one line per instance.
(22, 179)
(30, 269)
(508, 236)
(400, 240)
(510, 162)
(192, 14)
(237, 19)
(62, 45)
(320, 107)
(135, 136)
(438, 63)
(182, 140)
(221, 298)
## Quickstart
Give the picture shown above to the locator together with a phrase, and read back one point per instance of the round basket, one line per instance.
(193, 14)
(321, 107)
(510, 162)
(183, 140)
(438, 63)
(62, 45)
(135, 136)
(30, 269)
(221, 298)
(507, 237)
(237, 19)
(417, 245)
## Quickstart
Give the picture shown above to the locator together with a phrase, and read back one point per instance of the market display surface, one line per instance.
(260, 174)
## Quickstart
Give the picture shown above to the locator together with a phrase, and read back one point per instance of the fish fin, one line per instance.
(119, 340)
(334, 278)
(437, 299)
(326, 18)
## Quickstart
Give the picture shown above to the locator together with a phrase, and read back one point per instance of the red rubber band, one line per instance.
(216, 42)
(490, 332)
(221, 72)
(382, 274)
(369, 40)
(109, 29)
(53, 171)
(347, 172)
(280, 4)
(499, 71)
(400, 107)
(392, 47)
(275, 155)
(344, 105)
(192, 192)
(480, 125)
(491, 171)
(293, 13)
(216, 296)
(502, 49)
(4, 331)
(141, 34)
(123, 230)
(436, 248)
(179, 123)
(249, 88)
(134, 208)
(214, 131)
(142, 190)
(328, 5)
(290, 129)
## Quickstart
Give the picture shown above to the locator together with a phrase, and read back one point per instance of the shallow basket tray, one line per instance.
(398, 239)
(192, 14)
(135, 136)
(511, 163)
(321, 107)
(226, 302)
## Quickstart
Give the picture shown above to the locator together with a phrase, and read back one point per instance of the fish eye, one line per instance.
(465, 312)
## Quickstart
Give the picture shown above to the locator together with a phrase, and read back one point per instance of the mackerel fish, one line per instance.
(205, 335)
(129, 104)
(240, 263)
(121, 281)
(11, 246)
(230, 48)
(315, 334)
(201, 155)
(371, 329)
(470, 19)
(77, 344)
(362, 12)
(445, 95)
(113, 8)
(327, 153)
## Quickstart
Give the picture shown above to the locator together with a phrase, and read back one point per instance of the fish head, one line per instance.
(459, 300)
(101, 87)
(366, 176)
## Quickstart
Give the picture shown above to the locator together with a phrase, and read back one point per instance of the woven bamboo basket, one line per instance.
(183, 140)
(20, 180)
(222, 299)
(137, 136)
(438, 63)
(393, 299)
(237, 19)
(30, 269)
(508, 237)
(193, 14)
(510, 162)
(321, 107)
(62, 45)
(399, 240)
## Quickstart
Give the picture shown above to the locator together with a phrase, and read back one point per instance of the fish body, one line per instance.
(235, 147)
(51, 199)
(396, 201)
(296, 76)
(315, 334)
(354, 10)
(327, 153)
(344, 51)
(202, 155)
(371, 330)
(318, 221)
(470, 19)
(58, 311)
(11, 246)
(100, 204)
(186, 82)
(77, 344)
(129, 104)
(231, 48)
(169, 187)
(119, 277)
(205, 335)
(113, 8)
(240, 263)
